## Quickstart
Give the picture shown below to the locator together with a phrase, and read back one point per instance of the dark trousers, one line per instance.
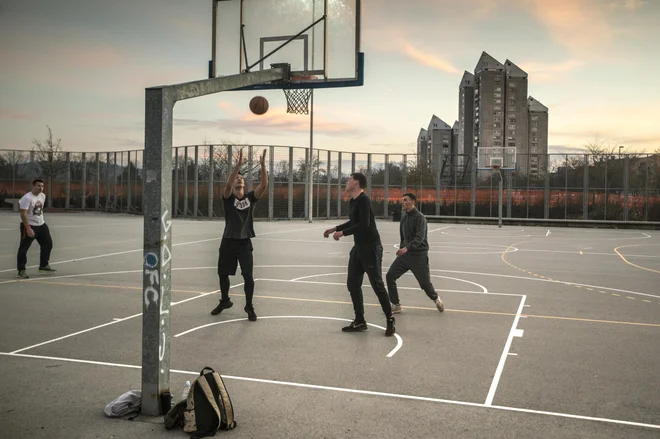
(42, 235)
(367, 259)
(419, 265)
(233, 252)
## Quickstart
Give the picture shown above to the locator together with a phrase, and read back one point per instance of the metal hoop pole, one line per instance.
(310, 180)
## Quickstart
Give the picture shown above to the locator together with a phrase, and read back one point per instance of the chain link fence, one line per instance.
(556, 186)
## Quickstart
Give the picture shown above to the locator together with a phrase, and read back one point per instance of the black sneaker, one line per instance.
(222, 305)
(252, 316)
(47, 269)
(355, 327)
(390, 327)
(23, 274)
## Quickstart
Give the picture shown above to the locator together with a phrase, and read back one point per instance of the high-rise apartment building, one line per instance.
(489, 102)
(465, 145)
(538, 138)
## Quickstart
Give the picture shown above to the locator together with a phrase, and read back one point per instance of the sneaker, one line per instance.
(47, 269)
(252, 316)
(23, 274)
(222, 305)
(390, 327)
(439, 304)
(355, 327)
(396, 309)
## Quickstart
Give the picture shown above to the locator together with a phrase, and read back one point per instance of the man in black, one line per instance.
(236, 244)
(366, 255)
(413, 254)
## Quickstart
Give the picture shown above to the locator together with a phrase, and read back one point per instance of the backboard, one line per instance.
(502, 157)
(319, 39)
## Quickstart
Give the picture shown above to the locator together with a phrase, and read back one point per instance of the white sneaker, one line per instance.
(439, 305)
(396, 309)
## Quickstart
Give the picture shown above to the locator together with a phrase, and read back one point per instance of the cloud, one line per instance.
(579, 25)
(429, 59)
(275, 122)
(550, 72)
(14, 115)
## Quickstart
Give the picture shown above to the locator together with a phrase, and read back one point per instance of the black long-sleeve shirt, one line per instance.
(361, 223)
(414, 231)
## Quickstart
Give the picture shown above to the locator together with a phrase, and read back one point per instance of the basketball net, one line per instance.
(297, 100)
(496, 168)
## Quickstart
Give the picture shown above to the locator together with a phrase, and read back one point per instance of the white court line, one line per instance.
(359, 392)
(392, 352)
(441, 228)
(548, 234)
(484, 290)
(344, 266)
(368, 285)
(114, 322)
(142, 249)
(505, 353)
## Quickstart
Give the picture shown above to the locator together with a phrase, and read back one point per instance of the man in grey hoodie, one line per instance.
(413, 255)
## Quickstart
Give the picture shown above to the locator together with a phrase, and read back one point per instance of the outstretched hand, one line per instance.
(328, 232)
(263, 159)
(240, 159)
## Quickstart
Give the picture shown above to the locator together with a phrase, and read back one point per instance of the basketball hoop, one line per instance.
(297, 99)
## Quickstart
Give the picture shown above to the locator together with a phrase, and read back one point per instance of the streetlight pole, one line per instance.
(620, 147)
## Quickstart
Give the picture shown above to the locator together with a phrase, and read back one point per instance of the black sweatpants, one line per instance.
(231, 253)
(419, 265)
(367, 259)
(42, 235)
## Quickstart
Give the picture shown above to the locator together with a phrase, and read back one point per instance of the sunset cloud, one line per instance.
(576, 24)
(14, 115)
(429, 59)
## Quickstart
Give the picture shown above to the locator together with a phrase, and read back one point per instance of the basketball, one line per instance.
(258, 105)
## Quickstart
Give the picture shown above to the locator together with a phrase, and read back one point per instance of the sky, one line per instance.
(81, 67)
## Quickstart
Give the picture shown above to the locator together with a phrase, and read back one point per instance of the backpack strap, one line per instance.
(204, 385)
(206, 368)
(228, 408)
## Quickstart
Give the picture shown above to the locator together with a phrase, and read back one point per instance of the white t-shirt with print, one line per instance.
(34, 204)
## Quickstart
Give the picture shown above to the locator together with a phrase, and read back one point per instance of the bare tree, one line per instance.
(14, 160)
(51, 159)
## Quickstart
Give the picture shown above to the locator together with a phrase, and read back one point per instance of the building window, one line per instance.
(513, 85)
(498, 89)
(497, 107)
(498, 101)
(498, 77)
(535, 118)
(498, 95)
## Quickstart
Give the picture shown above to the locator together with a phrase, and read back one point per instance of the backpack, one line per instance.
(128, 403)
(208, 407)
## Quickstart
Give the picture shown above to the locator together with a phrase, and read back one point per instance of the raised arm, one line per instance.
(232, 177)
(263, 183)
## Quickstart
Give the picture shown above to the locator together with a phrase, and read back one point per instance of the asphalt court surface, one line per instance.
(540, 324)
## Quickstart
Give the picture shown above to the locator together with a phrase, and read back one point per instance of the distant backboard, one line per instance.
(319, 39)
(502, 157)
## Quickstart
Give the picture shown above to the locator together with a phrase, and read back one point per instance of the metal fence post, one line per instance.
(97, 196)
(128, 183)
(196, 182)
(352, 162)
(386, 187)
(566, 188)
(290, 190)
(369, 175)
(339, 186)
(646, 188)
(329, 185)
(404, 174)
(271, 182)
(83, 183)
(473, 186)
(585, 189)
(185, 181)
(438, 181)
(175, 209)
(67, 190)
(626, 186)
(509, 193)
(546, 188)
(114, 181)
(307, 183)
(211, 176)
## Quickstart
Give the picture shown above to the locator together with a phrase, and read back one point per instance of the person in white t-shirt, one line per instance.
(34, 227)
